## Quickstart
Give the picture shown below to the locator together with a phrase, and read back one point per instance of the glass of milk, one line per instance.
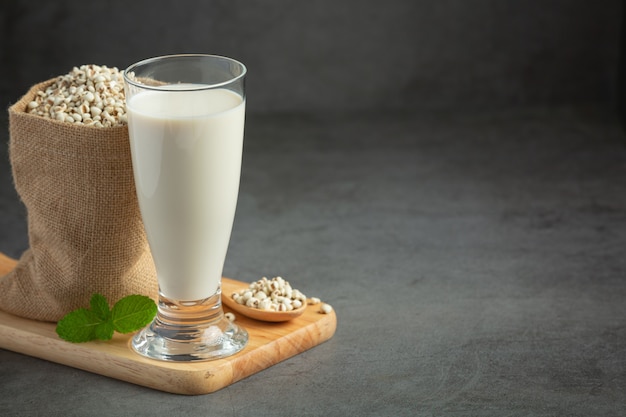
(186, 126)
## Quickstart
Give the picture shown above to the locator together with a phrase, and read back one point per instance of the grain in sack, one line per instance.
(71, 165)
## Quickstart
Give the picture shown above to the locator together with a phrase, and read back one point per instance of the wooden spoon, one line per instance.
(230, 286)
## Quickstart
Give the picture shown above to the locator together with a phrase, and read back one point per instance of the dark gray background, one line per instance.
(342, 55)
(449, 174)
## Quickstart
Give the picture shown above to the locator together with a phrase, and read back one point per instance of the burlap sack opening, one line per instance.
(84, 227)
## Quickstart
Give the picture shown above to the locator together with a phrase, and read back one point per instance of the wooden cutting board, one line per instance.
(268, 344)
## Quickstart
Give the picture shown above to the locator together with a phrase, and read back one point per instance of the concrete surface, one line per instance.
(475, 261)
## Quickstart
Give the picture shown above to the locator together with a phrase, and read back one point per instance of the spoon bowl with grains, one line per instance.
(272, 300)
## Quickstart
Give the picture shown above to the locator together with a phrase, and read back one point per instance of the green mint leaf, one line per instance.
(128, 314)
(100, 306)
(78, 326)
(132, 313)
(104, 330)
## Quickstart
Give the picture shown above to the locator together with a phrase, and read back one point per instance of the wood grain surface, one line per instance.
(268, 344)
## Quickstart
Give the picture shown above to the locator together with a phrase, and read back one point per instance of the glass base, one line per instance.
(187, 331)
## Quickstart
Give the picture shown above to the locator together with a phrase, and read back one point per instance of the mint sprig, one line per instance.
(129, 314)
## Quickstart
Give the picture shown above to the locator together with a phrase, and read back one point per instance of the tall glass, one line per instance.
(186, 125)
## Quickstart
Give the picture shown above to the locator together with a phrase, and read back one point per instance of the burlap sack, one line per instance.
(84, 227)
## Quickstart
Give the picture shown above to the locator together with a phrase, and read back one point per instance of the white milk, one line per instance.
(186, 150)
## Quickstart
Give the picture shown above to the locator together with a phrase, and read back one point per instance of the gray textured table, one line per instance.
(476, 262)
